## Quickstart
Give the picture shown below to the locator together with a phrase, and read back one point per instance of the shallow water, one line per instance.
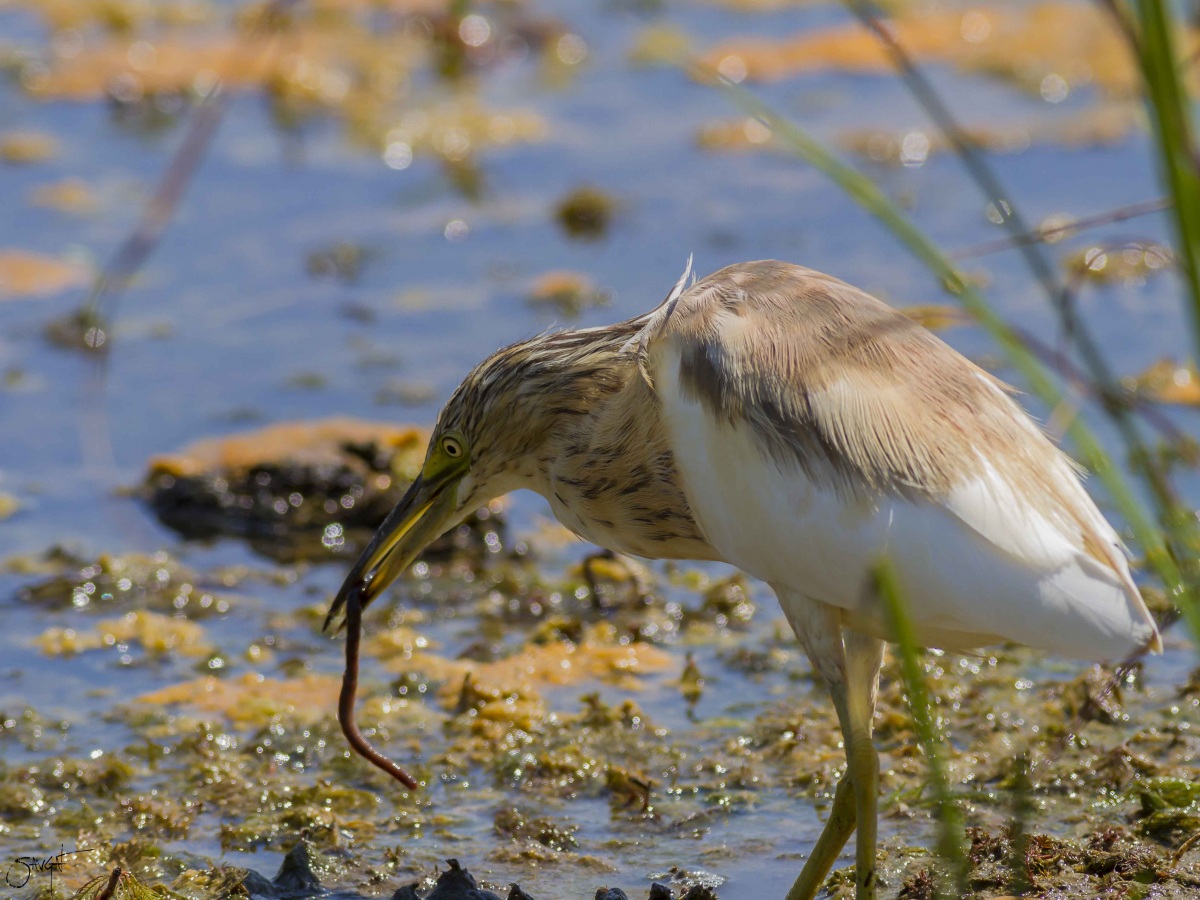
(226, 328)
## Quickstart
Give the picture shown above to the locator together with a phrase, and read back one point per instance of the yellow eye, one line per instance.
(452, 447)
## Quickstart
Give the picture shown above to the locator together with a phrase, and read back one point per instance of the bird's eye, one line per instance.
(452, 447)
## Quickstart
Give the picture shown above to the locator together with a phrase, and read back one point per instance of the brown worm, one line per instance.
(358, 743)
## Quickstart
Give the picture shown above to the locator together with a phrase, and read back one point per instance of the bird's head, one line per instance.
(485, 444)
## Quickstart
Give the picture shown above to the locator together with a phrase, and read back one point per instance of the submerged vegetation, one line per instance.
(490, 716)
(573, 722)
(507, 734)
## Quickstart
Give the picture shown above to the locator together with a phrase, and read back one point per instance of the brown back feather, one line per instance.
(856, 394)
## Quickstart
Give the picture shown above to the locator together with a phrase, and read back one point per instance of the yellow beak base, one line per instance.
(425, 512)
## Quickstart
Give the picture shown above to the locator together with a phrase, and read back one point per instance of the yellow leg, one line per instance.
(849, 664)
(854, 699)
(833, 838)
(864, 771)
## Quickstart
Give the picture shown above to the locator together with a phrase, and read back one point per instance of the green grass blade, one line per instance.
(1170, 116)
(951, 842)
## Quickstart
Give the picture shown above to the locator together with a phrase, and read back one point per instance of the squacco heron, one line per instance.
(778, 419)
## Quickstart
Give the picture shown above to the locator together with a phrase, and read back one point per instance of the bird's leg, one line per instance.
(854, 699)
(833, 838)
(848, 662)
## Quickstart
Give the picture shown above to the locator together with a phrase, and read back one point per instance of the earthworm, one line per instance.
(360, 744)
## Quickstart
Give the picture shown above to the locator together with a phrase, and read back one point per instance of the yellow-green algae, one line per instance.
(514, 749)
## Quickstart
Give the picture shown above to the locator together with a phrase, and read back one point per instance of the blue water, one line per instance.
(224, 319)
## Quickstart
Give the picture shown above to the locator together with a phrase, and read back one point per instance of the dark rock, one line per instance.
(456, 883)
(296, 876)
(696, 884)
(258, 885)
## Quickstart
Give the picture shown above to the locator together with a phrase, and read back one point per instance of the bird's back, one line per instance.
(817, 430)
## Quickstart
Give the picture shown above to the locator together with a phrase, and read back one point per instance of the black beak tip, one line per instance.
(336, 618)
(329, 619)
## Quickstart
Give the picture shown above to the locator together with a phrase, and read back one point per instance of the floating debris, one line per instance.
(80, 329)
(1108, 264)
(342, 260)
(27, 147)
(1048, 48)
(405, 392)
(585, 213)
(1097, 125)
(522, 825)
(660, 44)
(70, 195)
(1168, 381)
(253, 699)
(599, 655)
(27, 274)
(341, 60)
(733, 135)
(727, 603)
(136, 582)
(570, 293)
(158, 635)
(691, 683)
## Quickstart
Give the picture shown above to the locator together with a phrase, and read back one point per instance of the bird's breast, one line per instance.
(627, 511)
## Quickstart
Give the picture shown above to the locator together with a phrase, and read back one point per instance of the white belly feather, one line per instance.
(979, 567)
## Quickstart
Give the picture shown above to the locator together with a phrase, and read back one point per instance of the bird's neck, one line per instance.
(608, 471)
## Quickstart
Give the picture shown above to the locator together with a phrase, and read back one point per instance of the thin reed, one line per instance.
(951, 840)
(1152, 32)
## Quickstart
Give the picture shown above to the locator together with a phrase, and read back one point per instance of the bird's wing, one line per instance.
(816, 430)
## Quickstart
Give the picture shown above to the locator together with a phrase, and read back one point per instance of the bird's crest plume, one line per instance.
(640, 341)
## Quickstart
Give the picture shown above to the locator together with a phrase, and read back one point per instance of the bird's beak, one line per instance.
(427, 510)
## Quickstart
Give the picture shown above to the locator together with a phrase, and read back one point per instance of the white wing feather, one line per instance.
(979, 567)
